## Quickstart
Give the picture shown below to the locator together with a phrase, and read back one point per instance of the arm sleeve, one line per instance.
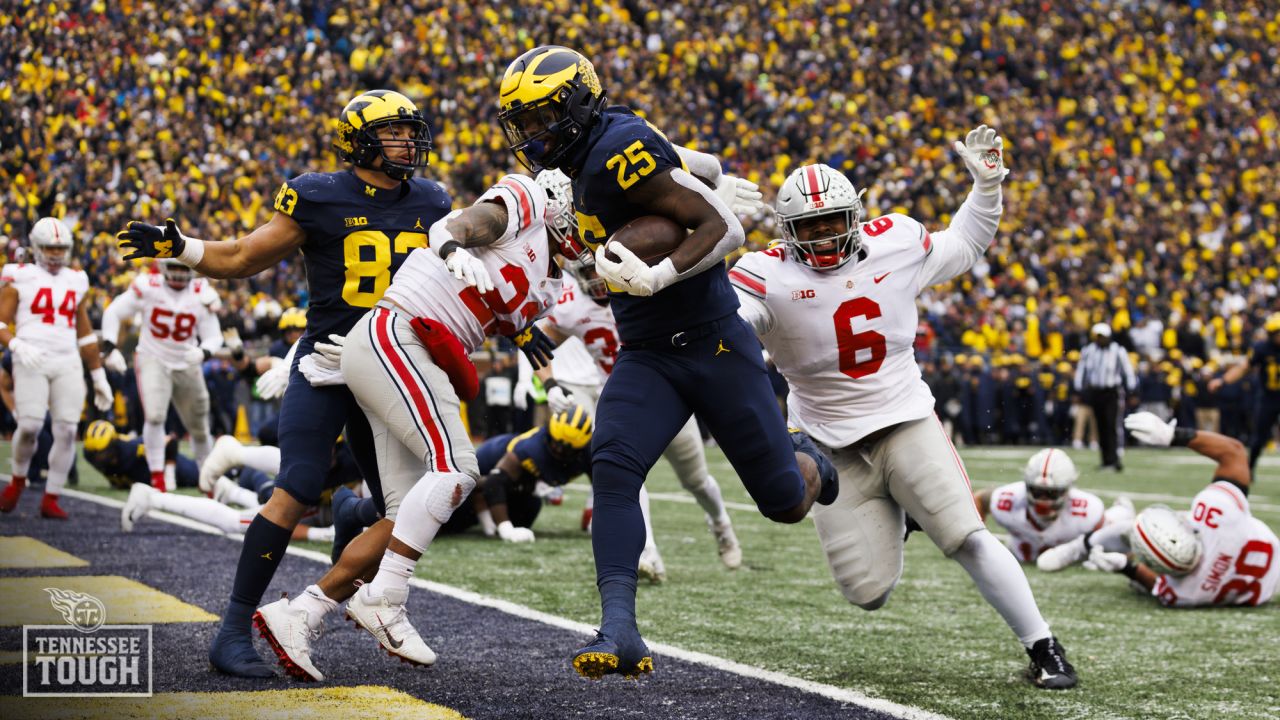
(210, 332)
(701, 165)
(123, 305)
(755, 312)
(734, 235)
(954, 250)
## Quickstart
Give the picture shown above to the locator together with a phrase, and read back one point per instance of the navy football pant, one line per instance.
(646, 401)
(1264, 428)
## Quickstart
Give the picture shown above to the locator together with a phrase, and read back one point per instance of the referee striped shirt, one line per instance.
(1104, 368)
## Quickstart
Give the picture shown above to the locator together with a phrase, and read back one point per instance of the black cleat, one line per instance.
(1049, 667)
(802, 443)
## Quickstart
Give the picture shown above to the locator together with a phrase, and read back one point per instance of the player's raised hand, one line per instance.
(142, 240)
(535, 345)
(983, 153)
(1150, 429)
(742, 196)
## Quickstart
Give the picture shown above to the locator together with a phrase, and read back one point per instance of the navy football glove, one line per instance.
(141, 240)
(535, 345)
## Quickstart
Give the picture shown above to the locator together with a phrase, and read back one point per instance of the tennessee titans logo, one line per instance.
(85, 613)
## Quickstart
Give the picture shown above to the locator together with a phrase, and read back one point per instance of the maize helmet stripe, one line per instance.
(536, 77)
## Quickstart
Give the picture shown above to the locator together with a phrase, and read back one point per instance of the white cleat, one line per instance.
(137, 506)
(223, 489)
(727, 543)
(289, 634)
(1062, 556)
(226, 454)
(385, 618)
(651, 566)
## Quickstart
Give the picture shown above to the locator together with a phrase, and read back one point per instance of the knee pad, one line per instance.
(64, 432)
(442, 493)
(29, 428)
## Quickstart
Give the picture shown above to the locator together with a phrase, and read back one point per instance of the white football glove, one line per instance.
(102, 396)
(513, 534)
(26, 353)
(560, 400)
(319, 372)
(272, 383)
(742, 196)
(329, 356)
(468, 268)
(1150, 429)
(193, 355)
(553, 494)
(114, 361)
(983, 153)
(1103, 561)
(631, 274)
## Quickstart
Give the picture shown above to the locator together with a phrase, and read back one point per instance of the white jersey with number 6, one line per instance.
(1239, 565)
(519, 262)
(1081, 514)
(578, 316)
(47, 305)
(172, 320)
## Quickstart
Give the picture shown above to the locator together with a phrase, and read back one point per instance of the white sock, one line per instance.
(393, 572)
(712, 503)
(649, 541)
(1001, 581)
(320, 534)
(262, 457)
(200, 509)
(316, 603)
(153, 442)
(62, 455)
(171, 476)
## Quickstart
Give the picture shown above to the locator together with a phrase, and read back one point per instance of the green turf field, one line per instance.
(936, 645)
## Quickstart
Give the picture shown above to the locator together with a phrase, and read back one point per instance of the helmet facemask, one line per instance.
(1046, 503)
(829, 251)
(818, 192)
(176, 275)
(370, 147)
(1049, 476)
(51, 244)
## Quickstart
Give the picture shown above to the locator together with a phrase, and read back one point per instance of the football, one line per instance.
(651, 238)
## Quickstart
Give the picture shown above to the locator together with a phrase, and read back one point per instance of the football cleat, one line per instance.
(223, 489)
(1063, 556)
(226, 454)
(386, 620)
(615, 653)
(802, 443)
(651, 566)
(726, 543)
(9, 498)
(137, 506)
(49, 508)
(1049, 668)
(289, 634)
(232, 654)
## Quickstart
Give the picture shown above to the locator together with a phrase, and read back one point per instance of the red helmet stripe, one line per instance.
(1155, 550)
(1044, 471)
(812, 173)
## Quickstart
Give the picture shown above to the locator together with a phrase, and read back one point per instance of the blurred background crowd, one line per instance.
(1143, 138)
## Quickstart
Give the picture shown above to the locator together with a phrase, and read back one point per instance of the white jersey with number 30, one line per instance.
(577, 315)
(519, 263)
(47, 305)
(844, 338)
(1082, 513)
(1239, 565)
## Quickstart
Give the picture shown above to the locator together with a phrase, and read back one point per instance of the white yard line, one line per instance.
(907, 712)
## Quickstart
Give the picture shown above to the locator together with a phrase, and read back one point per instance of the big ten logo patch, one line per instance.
(803, 294)
(85, 657)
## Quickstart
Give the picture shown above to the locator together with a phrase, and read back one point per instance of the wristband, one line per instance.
(1130, 570)
(448, 249)
(1182, 436)
(192, 252)
(548, 384)
(106, 346)
(87, 340)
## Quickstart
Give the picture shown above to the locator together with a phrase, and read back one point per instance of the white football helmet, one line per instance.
(1165, 541)
(815, 190)
(562, 227)
(1049, 476)
(177, 275)
(50, 234)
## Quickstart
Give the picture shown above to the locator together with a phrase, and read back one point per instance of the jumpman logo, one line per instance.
(721, 348)
(266, 555)
(418, 225)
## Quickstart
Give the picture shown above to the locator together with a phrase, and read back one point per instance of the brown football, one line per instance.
(651, 238)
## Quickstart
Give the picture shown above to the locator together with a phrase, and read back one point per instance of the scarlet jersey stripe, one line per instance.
(751, 285)
(407, 382)
(928, 243)
(522, 196)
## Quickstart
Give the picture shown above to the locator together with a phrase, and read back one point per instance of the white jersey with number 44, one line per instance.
(519, 263)
(47, 305)
(172, 320)
(1239, 565)
(1082, 513)
(844, 338)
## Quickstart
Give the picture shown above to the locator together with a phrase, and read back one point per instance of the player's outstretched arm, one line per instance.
(239, 258)
(1229, 453)
(741, 195)
(957, 248)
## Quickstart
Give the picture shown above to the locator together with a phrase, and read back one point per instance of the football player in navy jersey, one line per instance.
(354, 229)
(684, 349)
(1265, 356)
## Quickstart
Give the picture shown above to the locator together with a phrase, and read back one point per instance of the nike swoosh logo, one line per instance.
(394, 643)
(878, 279)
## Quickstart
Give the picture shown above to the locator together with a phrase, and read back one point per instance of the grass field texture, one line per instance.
(936, 645)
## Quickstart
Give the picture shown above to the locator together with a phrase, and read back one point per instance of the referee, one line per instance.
(1105, 370)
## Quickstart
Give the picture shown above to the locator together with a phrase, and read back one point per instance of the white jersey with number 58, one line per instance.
(173, 320)
(47, 305)
(1239, 565)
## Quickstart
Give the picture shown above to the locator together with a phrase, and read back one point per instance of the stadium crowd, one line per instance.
(1142, 137)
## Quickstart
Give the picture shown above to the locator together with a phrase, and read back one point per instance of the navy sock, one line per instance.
(618, 603)
(264, 546)
(363, 512)
(617, 540)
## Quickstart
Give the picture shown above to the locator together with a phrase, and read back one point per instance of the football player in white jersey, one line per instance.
(180, 331)
(1046, 509)
(45, 300)
(574, 378)
(836, 308)
(406, 363)
(1217, 554)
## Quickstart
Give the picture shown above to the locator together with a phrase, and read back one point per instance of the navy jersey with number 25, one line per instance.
(357, 237)
(625, 150)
